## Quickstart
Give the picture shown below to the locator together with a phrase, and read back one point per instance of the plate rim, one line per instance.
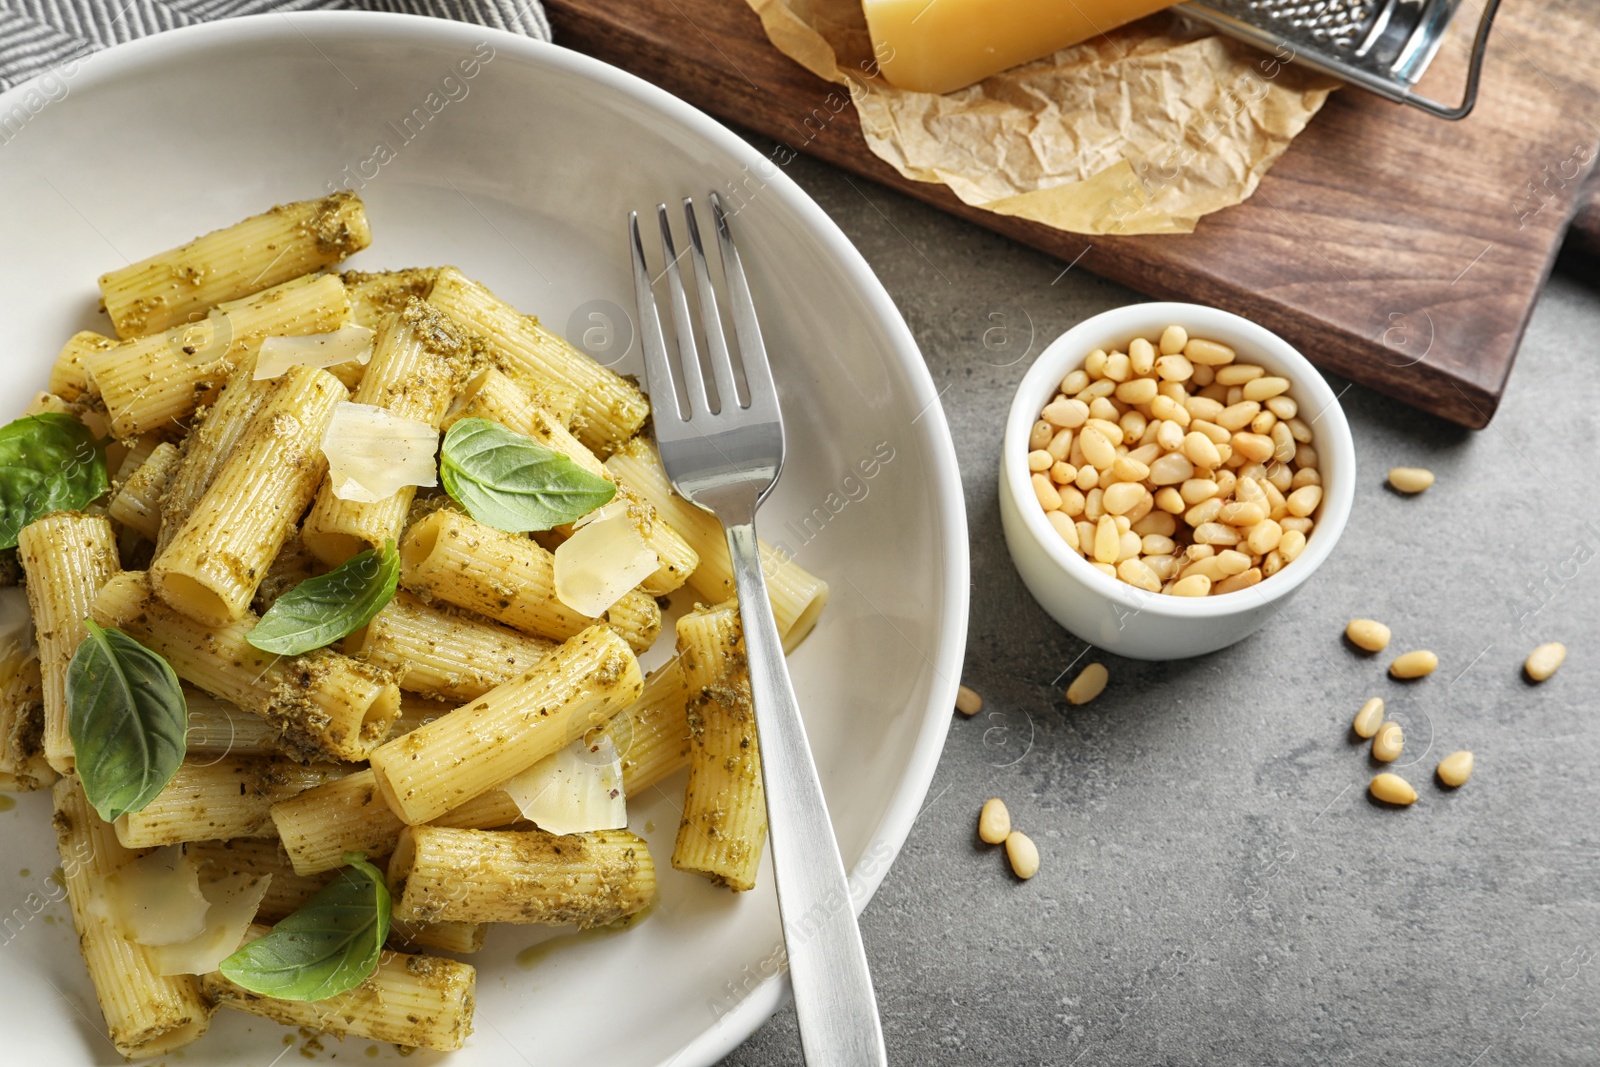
(101, 69)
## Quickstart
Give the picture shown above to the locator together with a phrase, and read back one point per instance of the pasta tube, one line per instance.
(69, 379)
(724, 823)
(218, 728)
(293, 565)
(414, 1001)
(324, 705)
(154, 382)
(374, 296)
(652, 733)
(147, 1014)
(137, 504)
(493, 396)
(180, 285)
(212, 799)
(317, 827)
(67, 557)
(413, 375)
(448, 556)
(611, 409)
(797, 595)
(22, 759)
(443, 652)
(510, 728)
(520, 876)
(210, 569)
(257, 857)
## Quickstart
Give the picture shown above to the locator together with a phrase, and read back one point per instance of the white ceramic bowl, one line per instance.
(1112, 614)
(521, 174)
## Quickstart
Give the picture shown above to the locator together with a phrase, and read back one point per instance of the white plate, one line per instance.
(521, 175)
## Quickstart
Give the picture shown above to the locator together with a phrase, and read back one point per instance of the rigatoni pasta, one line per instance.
(147, 1014)
(179, 285)
(611, 408)
(211, 567)
(448, 556)
(444, 652)
(69, 378)
(411, 1001)
(23, 767)
(510, 728)
(68, 557)
(724, 826)
(214, 799)
(441, 874)
(417, 357)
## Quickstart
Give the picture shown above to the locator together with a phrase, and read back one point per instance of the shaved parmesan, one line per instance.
(600, 562)
(574, 790)
(234, 902)
(156, 899)
(372, 453)
(343, 345)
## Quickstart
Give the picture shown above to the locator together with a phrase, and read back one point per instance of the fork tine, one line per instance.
(711, 321)
(688, 354)
(659, 382)
(752, 350)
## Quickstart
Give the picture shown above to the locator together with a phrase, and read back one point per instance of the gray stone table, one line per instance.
(1216, 886)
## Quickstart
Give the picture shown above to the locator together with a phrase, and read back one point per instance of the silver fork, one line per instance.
(726, 460)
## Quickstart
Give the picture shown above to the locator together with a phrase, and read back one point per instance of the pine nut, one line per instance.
(1062, 413)
(1096, 449)
(1049, 499)
(1282, 406)
(1060, 446)
(1088, 477)
(1368, 634)
(1238, 582)
(1199, 552)
(994, 822)
(1129, 469)
(1164, 567)
(1118, 367)
(1304, 501)
(1203, 512)
(1090, 683)
(1410, 479)
(1136, 572)
(1263, 423)
(1094, 364)
(1252, 446)
(1304, 477)
(1064, 526)
(1300, 526)
(1369, 718)
(1063, 473)
(1201, 452)
(1040, 435)
(1039, 460)
(1455, 769)
(1393, 789)
(1170, 500)
(1171, 469)
(1272, 563)
(1103, 409)
(1157, 545)
(1387, 742)
(1264, 537)
(1141, 357)
(1305, 456)
(1543, 661)
(1283, 443)
(1104, 568)
(1265, 388)
(1210, 353)
(1102, 387)
(1193, 585)
(1238, 373)
(1203, 407)
(1231, 562)
(1023, 854)
(1236, 417)
(1203, 376)
(1157, 522)
(1417, 664)
(1127, 546)
(1241, 513)
(1215, 533)
(1281, 478)
(968, 702)
(1290, 545)
(1133, 424)
(1174, 369)
(1106, 540)
(1122, 497)
(1075, 382)
(1094, 504)
(1173, 340)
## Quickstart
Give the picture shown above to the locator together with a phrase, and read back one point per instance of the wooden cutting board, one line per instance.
(1399, 250)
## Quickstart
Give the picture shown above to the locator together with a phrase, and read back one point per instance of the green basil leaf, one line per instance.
(329, 946)
(514, 483)
(48, 462)
(127, 719)
(321, 610)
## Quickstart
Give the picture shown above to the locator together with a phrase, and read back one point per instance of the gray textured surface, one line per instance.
(1216, 887)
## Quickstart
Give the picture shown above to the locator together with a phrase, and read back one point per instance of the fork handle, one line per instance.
(833, 997)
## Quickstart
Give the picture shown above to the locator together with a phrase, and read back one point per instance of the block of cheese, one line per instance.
(937, 46)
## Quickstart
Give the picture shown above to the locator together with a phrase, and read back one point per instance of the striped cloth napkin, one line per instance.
(40, 35)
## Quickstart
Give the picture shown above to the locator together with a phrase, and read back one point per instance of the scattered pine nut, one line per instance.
(1455, 769)
(1024, 854)
(1393, 789)
(1369, 718)
(1417, 664)
(1544, 660)
(968, 702)
(1387, 742)
(1410, 479)
(1089, 683)
(994, 822)
(1368, 634)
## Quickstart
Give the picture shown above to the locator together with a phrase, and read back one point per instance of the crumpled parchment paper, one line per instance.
(1143, 130)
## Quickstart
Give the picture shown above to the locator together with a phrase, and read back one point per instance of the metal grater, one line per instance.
(1381, 45)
